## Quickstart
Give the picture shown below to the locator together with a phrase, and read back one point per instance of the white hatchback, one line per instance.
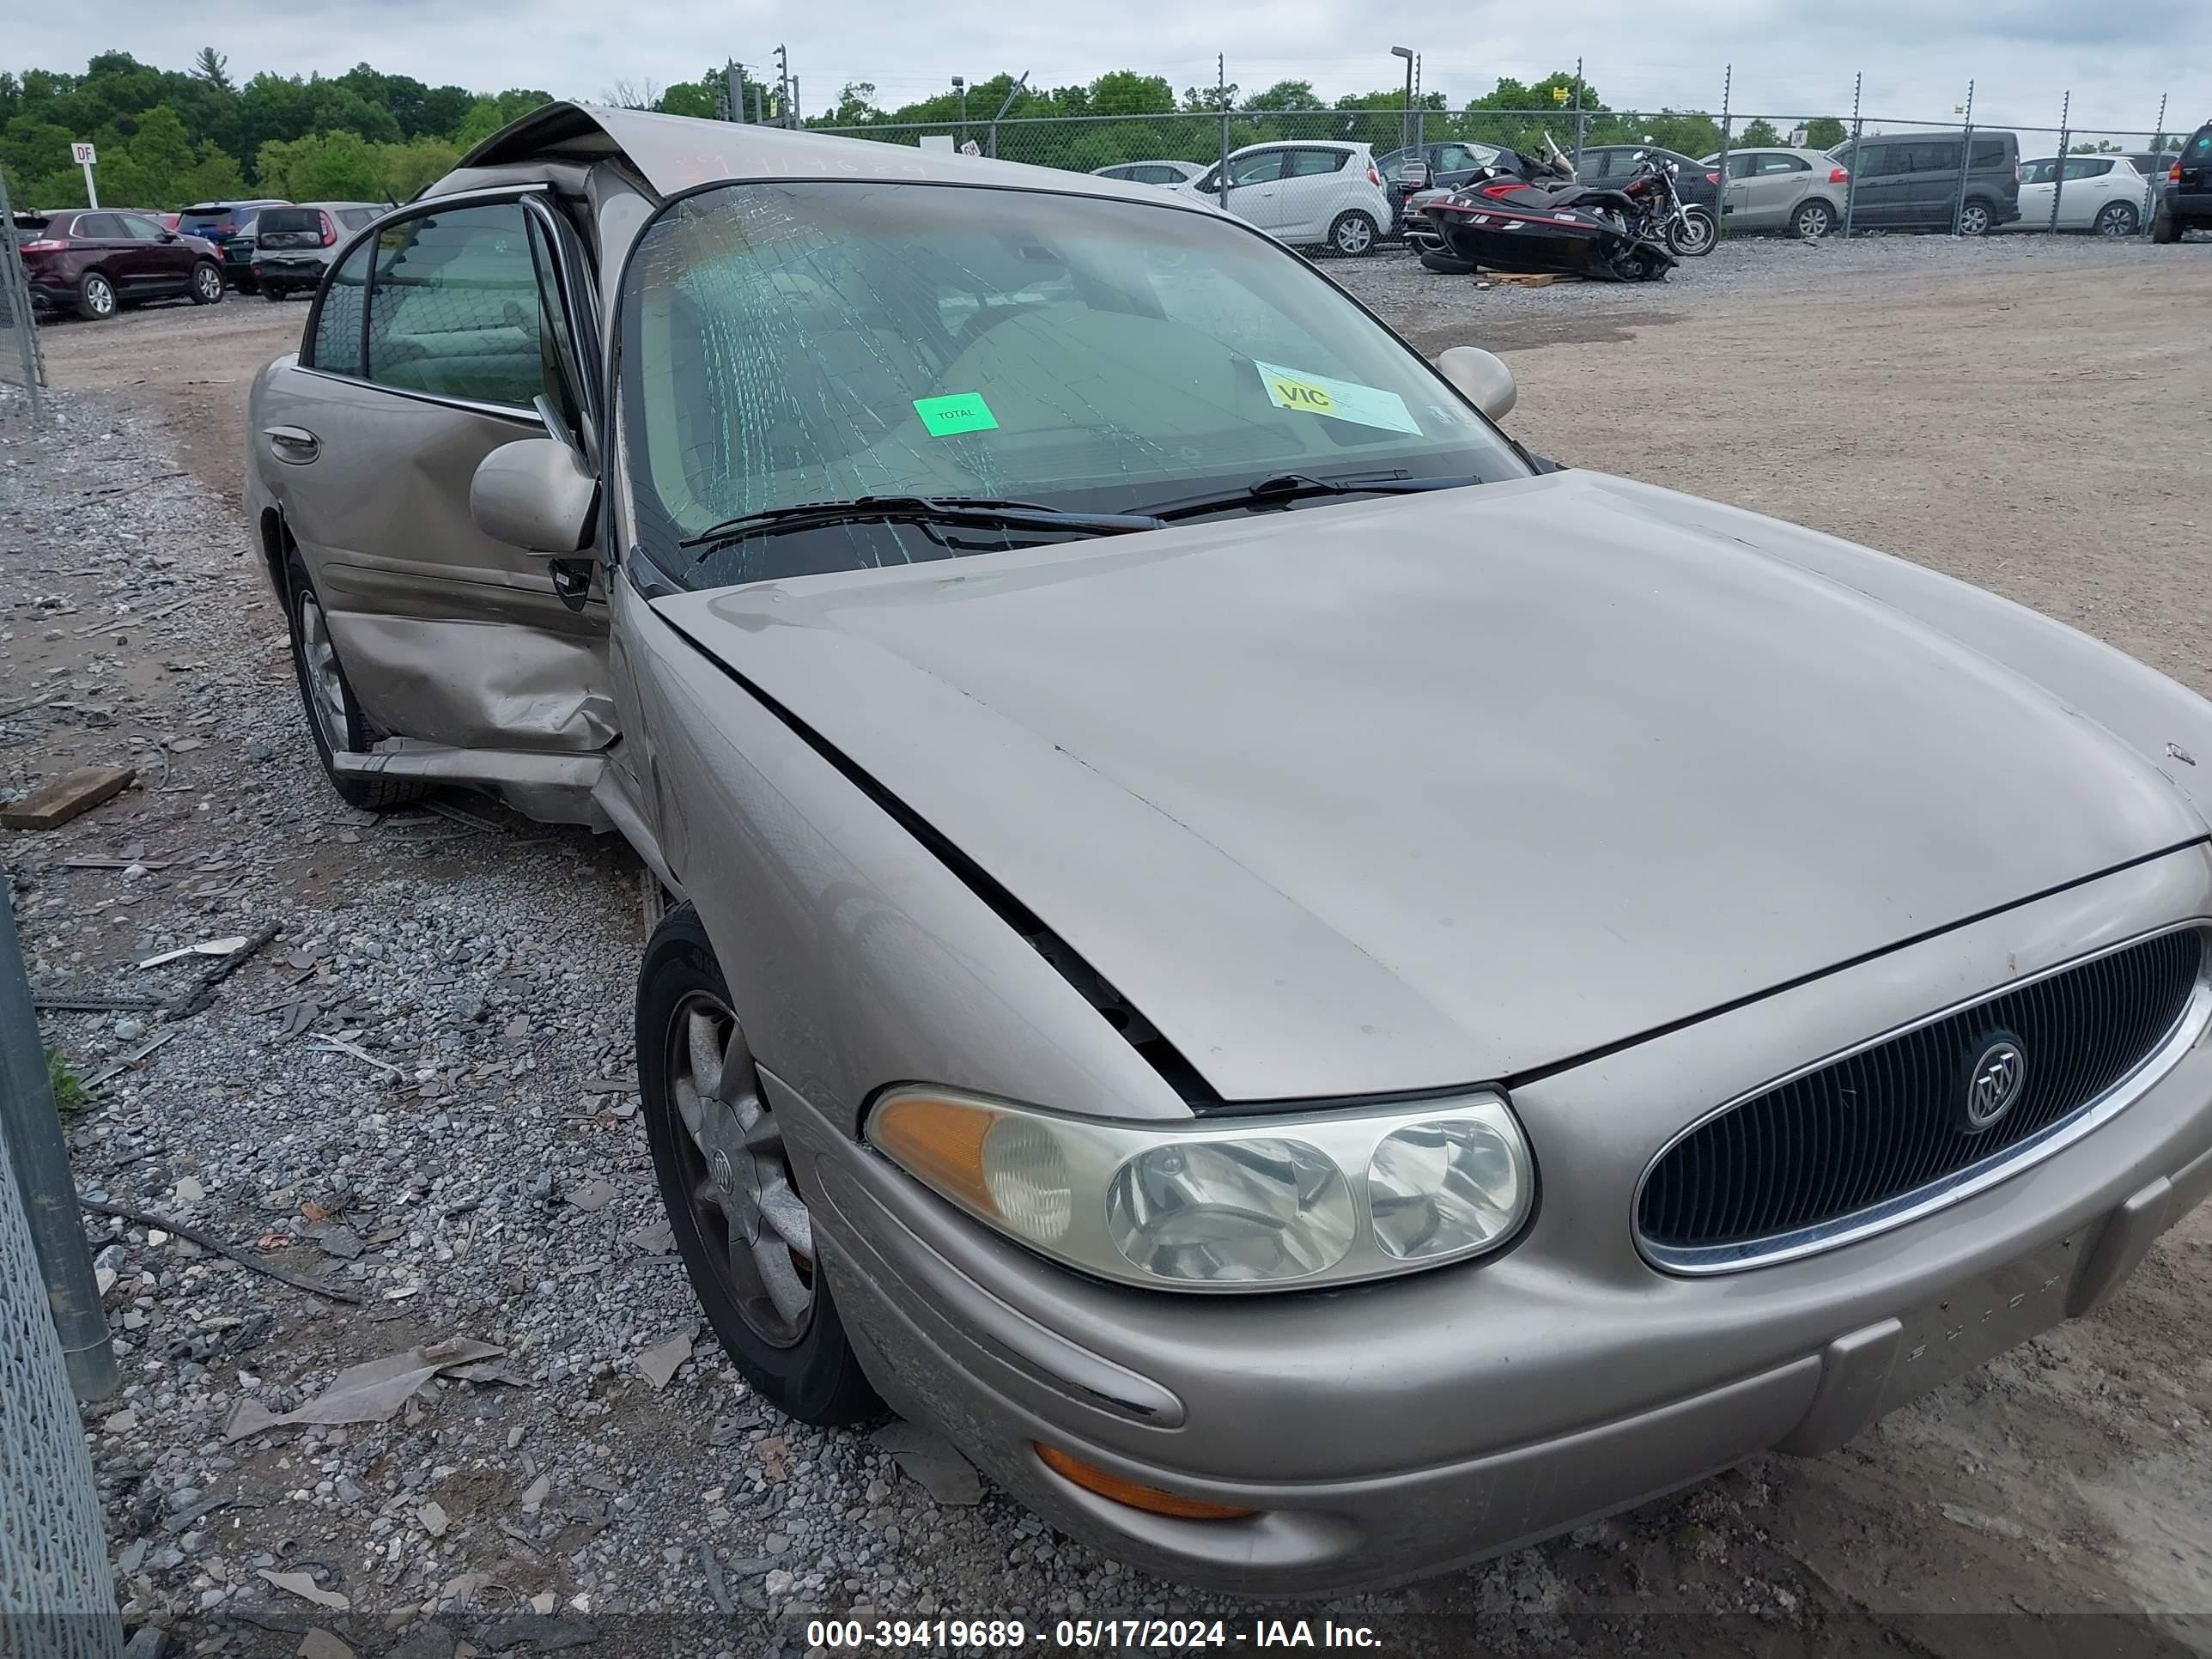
(2101, 193)
(1325, 194)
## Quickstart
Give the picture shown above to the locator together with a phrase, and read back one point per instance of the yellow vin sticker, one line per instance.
(1343, 401)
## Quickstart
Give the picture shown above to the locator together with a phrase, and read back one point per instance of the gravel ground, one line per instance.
(419, 1093)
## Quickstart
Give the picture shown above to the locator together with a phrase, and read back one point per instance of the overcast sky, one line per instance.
(1917, 55)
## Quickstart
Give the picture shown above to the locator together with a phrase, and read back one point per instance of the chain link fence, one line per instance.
(55, 1598)
(1959, 175)
(22, 369)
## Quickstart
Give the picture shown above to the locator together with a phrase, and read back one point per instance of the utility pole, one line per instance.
(793, 118)
(783, 85)
(733, 81)
(1405, 121)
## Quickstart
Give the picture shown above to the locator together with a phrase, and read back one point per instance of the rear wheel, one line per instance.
(1813, 220)
(745, 1231)
(2163, 227)
(272, 292)
(246, 283)
(1352, 235)
(335, 721)
(207, 284)
(95, 297)
(2116, 219)
(1975, 218)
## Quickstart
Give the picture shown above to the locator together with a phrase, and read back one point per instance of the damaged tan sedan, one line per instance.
(1326, 997)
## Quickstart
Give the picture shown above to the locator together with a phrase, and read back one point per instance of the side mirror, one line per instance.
(168, 236)
(535, 494)
(1480, 375)
(1416, 176)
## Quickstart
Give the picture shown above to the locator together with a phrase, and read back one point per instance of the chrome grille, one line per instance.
(1878, 1135)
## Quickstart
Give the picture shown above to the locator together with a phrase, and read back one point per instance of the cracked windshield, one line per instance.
(798, 343)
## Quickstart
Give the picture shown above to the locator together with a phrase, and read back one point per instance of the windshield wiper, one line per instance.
(1284, 487)
(960, 512)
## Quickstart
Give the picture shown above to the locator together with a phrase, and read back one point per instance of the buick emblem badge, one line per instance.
(1994, 1084)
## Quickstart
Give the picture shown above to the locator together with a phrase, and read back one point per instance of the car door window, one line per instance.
(99, 227)
(1988, 157)
(1871, 162)
(356, 218)
(335, 348)
(1771, 164)
(2085, 167)
(1308, 163)
(1264, 169)
(455, 307)
(1934, 158)
(138, 229)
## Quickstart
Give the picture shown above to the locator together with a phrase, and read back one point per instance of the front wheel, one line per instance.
(1975, 218)
(207, 284)
(335, 721)
(2116, 219)
(1352, 235)
(1445, 264)
(2163, 227)
(95, 297)
(1691, 235)
(742, 1226)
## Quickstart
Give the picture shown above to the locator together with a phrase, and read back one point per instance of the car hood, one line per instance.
(1411, 793)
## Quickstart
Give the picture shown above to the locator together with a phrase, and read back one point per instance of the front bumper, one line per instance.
(1392, 1429)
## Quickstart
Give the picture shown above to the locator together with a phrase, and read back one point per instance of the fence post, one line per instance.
(1221, 97)
(22, 321)
(1579, 118)
(1966, 154)
(2058, 172)
(2157, 148)
(1720, 191)
(31, 1130)
(1851, 172)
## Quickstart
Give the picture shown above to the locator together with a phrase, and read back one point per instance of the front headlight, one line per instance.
(1282, 1201)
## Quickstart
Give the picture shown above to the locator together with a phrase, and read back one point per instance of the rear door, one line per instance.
(1771, 184)
(1312, 193)
(1931, 174)
(426, 350)
(168, 262)
(99, 240)
(2088, 186)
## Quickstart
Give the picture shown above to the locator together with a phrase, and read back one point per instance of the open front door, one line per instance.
(429, 347)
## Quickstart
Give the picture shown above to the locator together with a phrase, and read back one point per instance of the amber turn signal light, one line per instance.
(1135, 1494)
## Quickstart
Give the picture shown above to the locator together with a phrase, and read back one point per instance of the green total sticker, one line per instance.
(963, 412)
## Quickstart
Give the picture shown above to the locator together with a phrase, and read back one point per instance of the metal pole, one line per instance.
(1720, 194)
(1965, 153)
(2158, 148)
(1420, 114)
(1851, 174)
(1012, 93)
(23, 323)
(733, 78)
(32, 1129)
(1578, 117)
(782, 88)
(760, 115)
(1221, 97)
(2058, 172)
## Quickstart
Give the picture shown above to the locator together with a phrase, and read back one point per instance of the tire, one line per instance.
(1445, 264)
(334, 718)
(2163, 227)
(1697, 240)
(2117, 219)
(1812, 220)
(95, 298)
(1976, 218)
(1353, 234)
(207, 284)
(795, 1355)
(246, 282)
(273, 294)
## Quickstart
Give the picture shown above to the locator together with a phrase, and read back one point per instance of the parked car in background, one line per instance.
(229, 226)
(2099, 193)
(293, 246)
(95, 260)
(1324, 193)
(2151, 163)
(1910, 181)
(1065, 721)
(1450, 164)
(2185, 199)
(1153, 173)
(1799, 191)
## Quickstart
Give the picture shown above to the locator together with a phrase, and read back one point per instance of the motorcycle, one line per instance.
(1532, 215)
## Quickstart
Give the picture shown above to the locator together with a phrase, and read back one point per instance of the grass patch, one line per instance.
(69, 1092)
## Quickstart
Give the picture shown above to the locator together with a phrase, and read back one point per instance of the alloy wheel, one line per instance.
(742, 1193)
(1354, 235)
(1973, 219)
(323, 679)
(1813, 222)
(99, 296)
(209, 280)
(2117, 220)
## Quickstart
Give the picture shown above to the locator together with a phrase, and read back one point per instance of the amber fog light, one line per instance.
(1135, 1494)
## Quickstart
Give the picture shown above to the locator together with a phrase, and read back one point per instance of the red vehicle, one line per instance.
(94, 260)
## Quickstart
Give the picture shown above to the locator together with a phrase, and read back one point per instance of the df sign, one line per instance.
(83, 154)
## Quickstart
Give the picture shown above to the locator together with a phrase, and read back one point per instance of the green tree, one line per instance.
(1286, 95)
(323, 166)
(403, 170)
(487, 115)
(1125, 92)
(212, 67)
(1825, 132)
(1757, 135)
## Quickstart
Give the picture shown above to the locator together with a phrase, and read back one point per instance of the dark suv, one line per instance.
(229, 226)
(93, 260)
(1909, 181)
(2185, 195)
